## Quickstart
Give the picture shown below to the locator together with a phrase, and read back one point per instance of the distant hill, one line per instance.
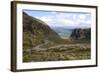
(81, 34)
(36, 32)
(64, 32)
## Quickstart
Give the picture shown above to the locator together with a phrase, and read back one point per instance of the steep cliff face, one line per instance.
(81, 34)
(36, 32)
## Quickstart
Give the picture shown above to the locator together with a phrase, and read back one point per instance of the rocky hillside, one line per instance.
(36, 32)
(81, 34)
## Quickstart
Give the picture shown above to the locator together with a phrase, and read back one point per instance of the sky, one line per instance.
(63, 19)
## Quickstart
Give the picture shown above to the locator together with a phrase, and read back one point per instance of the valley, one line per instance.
(43, 43)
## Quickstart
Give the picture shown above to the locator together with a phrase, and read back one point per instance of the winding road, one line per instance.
(39, 47)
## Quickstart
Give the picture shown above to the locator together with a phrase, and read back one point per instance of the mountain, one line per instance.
(35, 32)
(81, 34)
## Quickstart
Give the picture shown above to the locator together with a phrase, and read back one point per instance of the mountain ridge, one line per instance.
(81, 34)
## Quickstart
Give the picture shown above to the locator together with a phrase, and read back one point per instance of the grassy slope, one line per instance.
(36, 32)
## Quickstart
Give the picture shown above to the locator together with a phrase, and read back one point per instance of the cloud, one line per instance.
(75, 20)
(46, 18)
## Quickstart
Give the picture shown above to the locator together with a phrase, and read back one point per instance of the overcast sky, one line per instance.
(63, 19)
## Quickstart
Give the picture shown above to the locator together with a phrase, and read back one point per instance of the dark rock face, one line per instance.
(36, 32)
(81, 34)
